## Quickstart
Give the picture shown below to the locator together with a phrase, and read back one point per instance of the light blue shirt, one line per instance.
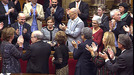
(6, 8)
(34, 23)
(116, 44)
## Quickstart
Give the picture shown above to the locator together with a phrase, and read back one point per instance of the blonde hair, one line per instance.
(110, 41)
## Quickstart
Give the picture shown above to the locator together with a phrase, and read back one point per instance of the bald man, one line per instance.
(22, 28)
(37, 54)
(73, 28)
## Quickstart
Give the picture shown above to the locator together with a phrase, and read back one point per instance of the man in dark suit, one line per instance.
(56, 11)
(124, 63)
(104, 18)
(83, 10)
(37, 54)
(22, 28)
(116, 26)
(84, 64)
(8, 13)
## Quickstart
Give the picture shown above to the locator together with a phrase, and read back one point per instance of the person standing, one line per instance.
(10, 54)
(124, 62)
(73, 28)
(83, 11)
(22, 28)
(34, 15)
(55, 11)
(8, 13)
(61, 54)
(84, 64)
(37, 54)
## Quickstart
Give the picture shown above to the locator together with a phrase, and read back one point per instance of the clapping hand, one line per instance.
(25, 30)
(20, 40)
(126, 28)
(111, 53)
(1, 25)
(103, 55)
(74, 44)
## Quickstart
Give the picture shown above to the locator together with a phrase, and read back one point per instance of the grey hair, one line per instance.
(87, 32)
(74, 10)
(38, 34)
(125, 40)
(97, 18)
(113, 12)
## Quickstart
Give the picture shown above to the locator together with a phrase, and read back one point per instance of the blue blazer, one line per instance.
(84, 64)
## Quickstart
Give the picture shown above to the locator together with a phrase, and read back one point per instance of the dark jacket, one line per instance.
(104, 23)
(84, 64)
(84, 9)
(3, 17)
(58, 15)
(26, 36)
(10, 56)
(38, 57)
(127, 19)
(61, 52)
(123, 64)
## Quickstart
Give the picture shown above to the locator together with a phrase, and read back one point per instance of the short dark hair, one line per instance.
(50, 18)
(103, 7)
(125, 40)
(125, 5)
(60, 37)
(7, 33)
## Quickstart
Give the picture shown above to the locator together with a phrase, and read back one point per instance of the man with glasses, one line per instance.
(56, 11)
(73, 28)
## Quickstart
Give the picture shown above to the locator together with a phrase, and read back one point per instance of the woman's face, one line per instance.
(95, 24)
(50, 23)
(121, 9)
(104, 40)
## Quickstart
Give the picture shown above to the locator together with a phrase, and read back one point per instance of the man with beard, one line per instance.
(56, 11)
(34, 15)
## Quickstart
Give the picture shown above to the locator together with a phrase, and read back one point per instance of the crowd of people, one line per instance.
(105, 47)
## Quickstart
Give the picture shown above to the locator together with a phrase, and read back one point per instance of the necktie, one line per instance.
(20, 30)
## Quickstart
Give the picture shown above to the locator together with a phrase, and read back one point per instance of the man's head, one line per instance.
(54, 3)
(124, 41)
(101, 9)
(5, 1)
(115, 14)
(34, 1)
(73, 13)
(86, 33)
(21, 18)
(36, 36)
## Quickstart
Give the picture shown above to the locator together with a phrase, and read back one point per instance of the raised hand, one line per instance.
(126, 28)
(20, 40)
(31, 11)
(111, 53)
(1, 25)
(25, 30)
(74, 44)
(103, 55)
